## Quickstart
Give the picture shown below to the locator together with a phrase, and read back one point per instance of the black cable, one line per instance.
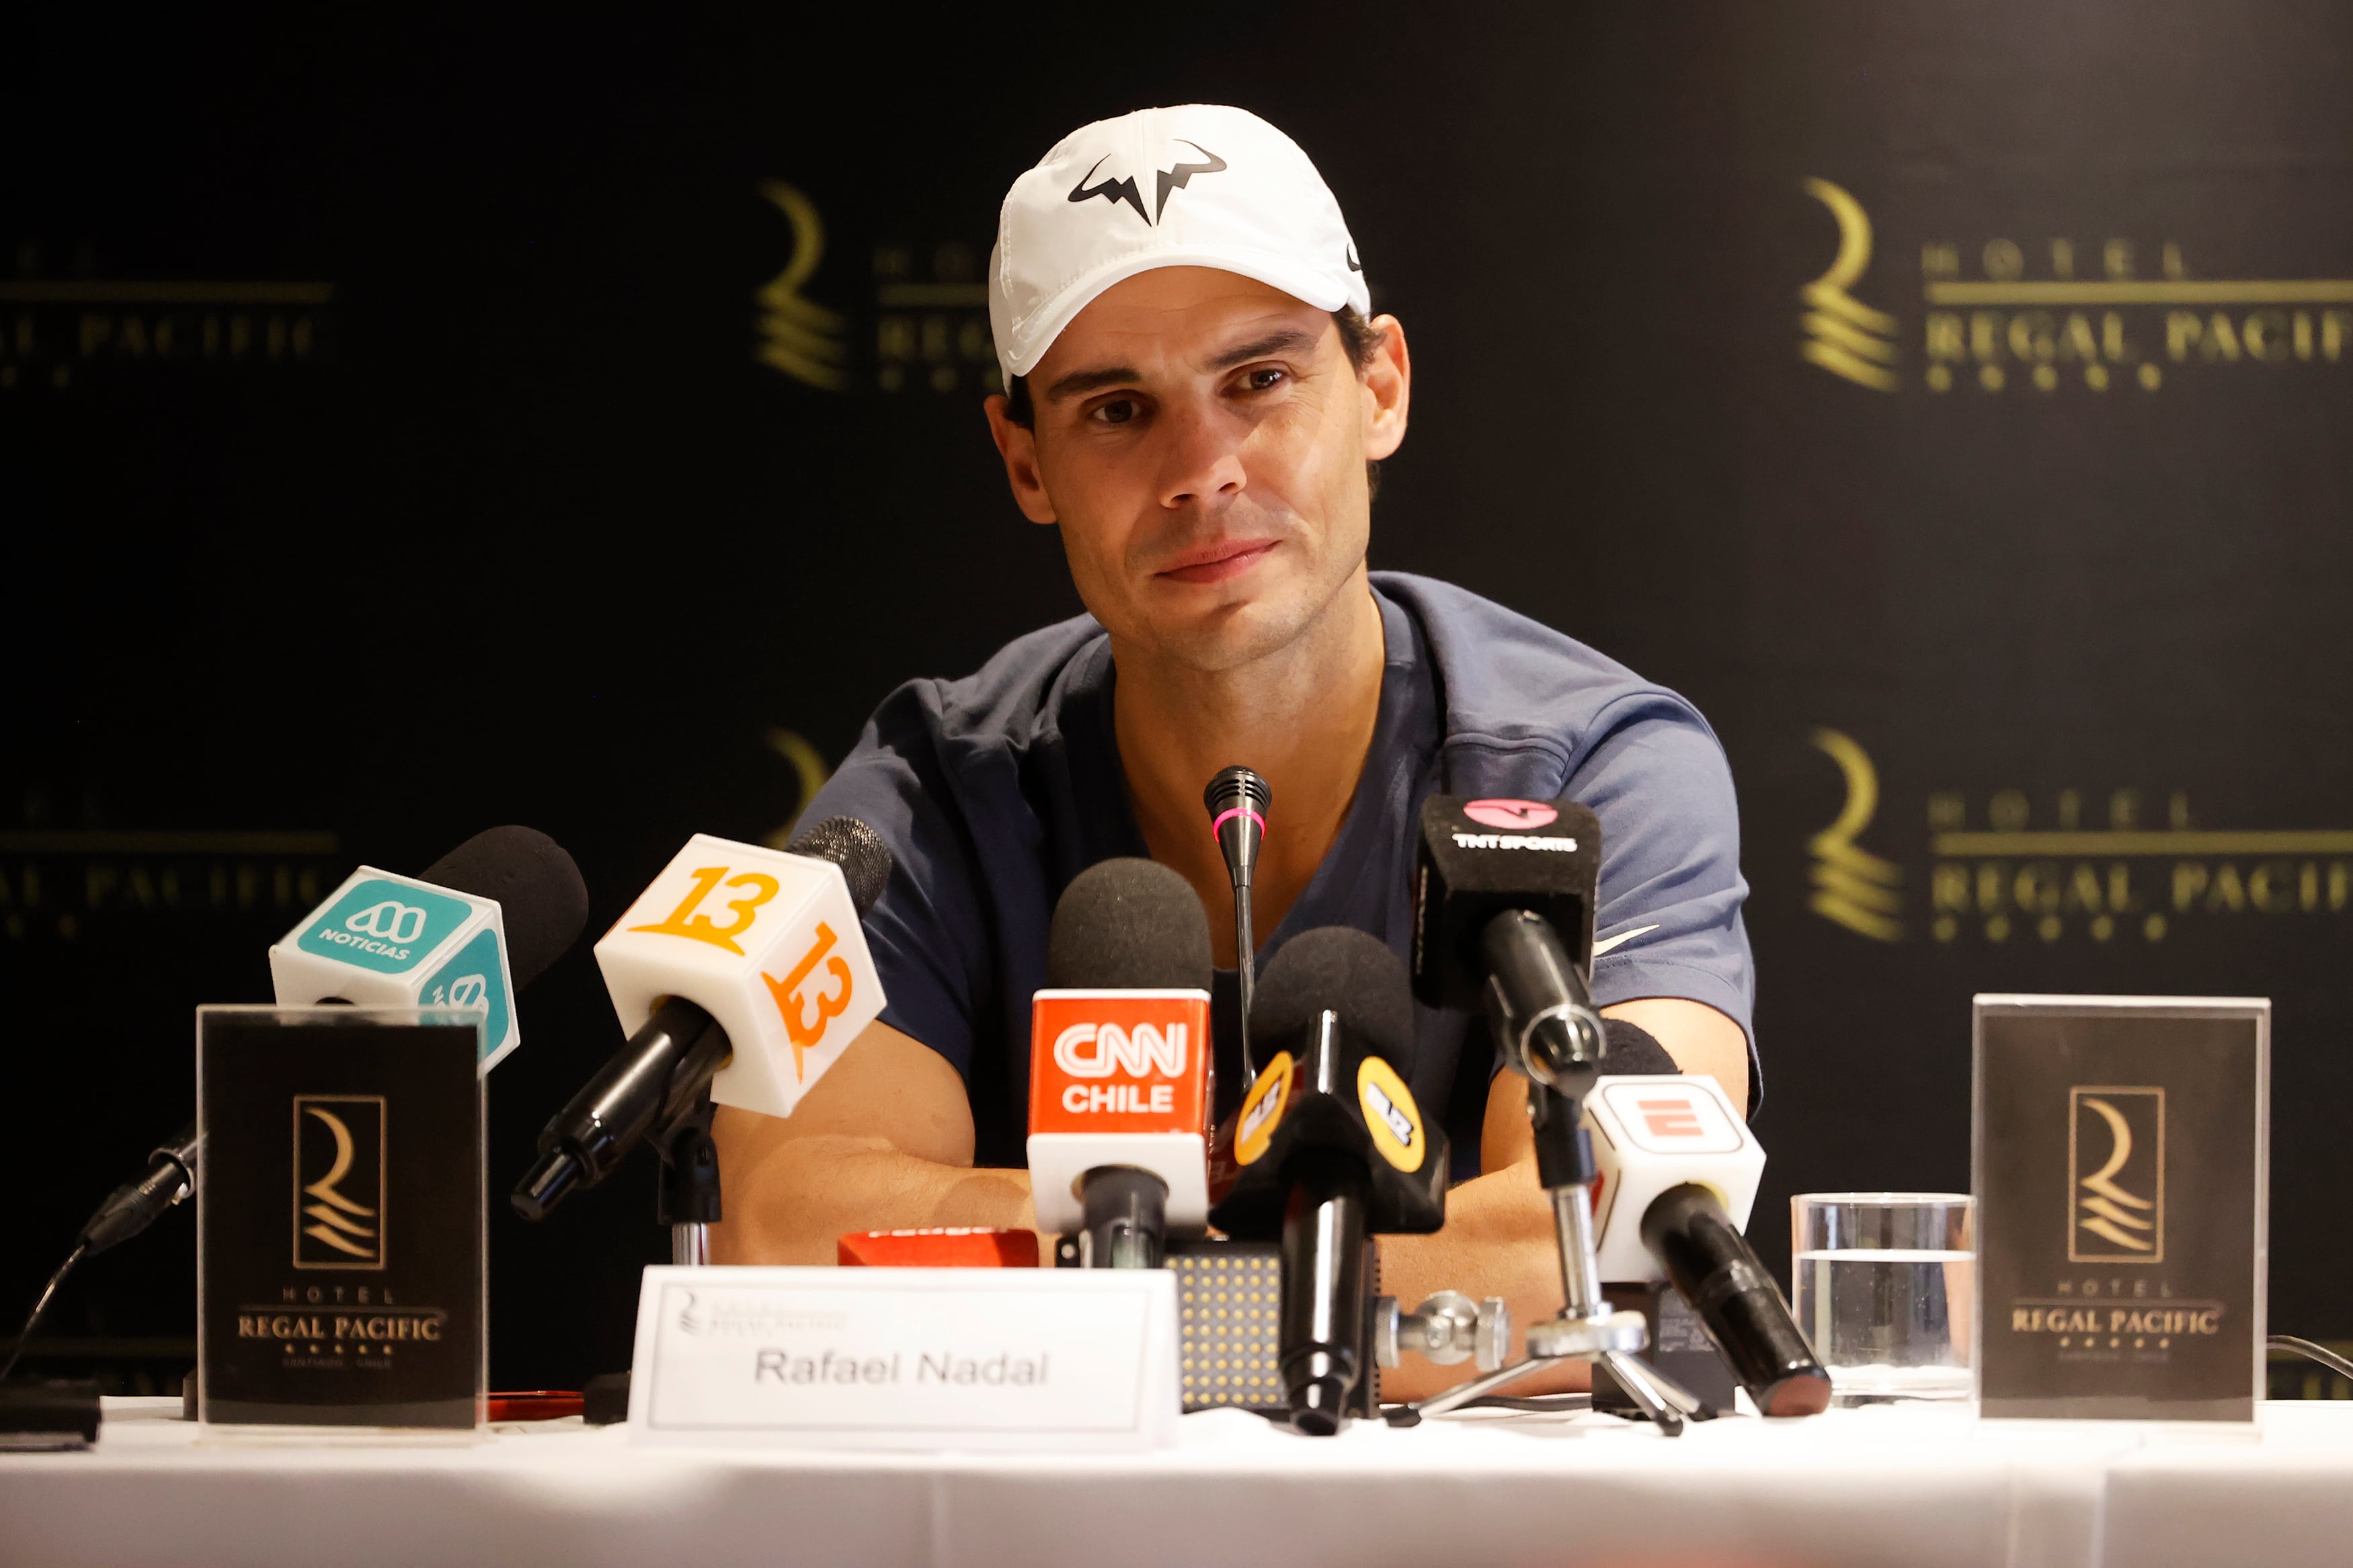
(2310, 1351)
(41, 1305)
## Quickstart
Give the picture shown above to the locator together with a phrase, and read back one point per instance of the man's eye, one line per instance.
(1265, 378)
(1118, 411)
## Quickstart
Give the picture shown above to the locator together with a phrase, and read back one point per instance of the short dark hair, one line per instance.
(1359, 340)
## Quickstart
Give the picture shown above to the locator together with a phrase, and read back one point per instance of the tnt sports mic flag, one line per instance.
(387, 940)
(1119, 1078)
(768, 943)
(1650, 1134)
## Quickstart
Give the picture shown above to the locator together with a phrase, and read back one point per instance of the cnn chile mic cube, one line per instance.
(388, 940)
(1119, 1078)
(1652, 1134)
(768, 943)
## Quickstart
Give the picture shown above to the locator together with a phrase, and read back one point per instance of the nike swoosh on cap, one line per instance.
(1607, 942)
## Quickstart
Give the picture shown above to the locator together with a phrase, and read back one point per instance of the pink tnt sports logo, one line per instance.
(1519, 815)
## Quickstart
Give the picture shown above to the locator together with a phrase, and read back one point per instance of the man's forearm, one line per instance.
(789, 1202)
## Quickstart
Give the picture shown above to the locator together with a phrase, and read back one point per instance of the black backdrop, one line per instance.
(410, 428)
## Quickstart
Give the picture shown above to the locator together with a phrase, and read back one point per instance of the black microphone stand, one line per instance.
(1238, 801)
(687, 1196)
(1556, 1045)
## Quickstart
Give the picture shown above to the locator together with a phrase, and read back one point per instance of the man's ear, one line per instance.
(1017, 444)
(1389, 388)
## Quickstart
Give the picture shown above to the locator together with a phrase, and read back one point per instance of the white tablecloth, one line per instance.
(1918, 1487)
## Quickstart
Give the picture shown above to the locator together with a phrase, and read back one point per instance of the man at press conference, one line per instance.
(1198, 398)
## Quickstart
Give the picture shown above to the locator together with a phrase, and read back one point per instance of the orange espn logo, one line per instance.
(1670, 1118)
(1119, 1062)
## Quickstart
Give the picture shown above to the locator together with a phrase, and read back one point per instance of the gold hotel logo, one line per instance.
(2009, 866)
(339, 1180)
(928, 326)
(2053, 313)
(2116, 1174)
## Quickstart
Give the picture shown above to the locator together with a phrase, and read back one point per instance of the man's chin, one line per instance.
(1224, 631)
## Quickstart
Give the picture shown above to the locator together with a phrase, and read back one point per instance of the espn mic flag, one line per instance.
(769, 944)
(1652, 1134)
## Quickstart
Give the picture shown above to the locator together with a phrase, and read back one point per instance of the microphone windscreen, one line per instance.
(542, 903)
(857, 848)
(1630, 1050)
(1128, 925)
(1349, 971)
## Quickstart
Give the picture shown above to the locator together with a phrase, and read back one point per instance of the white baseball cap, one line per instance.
(1199, 185)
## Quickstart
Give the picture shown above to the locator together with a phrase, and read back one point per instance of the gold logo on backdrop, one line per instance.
(339, 1159)
(2060, 310)
(798, 335)
(2007, 866)
(809, 768)
(1852, 886)
(1843, 335)
(2118, 1205)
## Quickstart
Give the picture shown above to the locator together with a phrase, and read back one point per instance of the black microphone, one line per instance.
(1709, 1263)
(1238, 801)
(1503, 896)
(662, 1074)
(1330, 1150)
(170, 1178)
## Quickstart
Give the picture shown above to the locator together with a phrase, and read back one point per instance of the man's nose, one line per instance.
(1202, 460)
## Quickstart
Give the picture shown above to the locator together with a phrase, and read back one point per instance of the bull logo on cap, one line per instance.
(1125, 189)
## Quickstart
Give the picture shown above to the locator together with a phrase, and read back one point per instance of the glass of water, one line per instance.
(1887, 1291)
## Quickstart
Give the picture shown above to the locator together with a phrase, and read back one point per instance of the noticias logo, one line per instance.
(1513, 841)
(390, 920)
(366, 944)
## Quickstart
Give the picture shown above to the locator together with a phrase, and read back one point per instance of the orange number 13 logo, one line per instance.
(802, 1029)
(683, 921)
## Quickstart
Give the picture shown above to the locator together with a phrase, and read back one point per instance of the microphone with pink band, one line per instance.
(1238, 800)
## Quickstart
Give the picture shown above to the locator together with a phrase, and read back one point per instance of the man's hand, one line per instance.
(1498, 1239)
(883, 1142)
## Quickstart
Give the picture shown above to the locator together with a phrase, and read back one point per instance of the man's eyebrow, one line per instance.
(1290, 340)
(1081, 382)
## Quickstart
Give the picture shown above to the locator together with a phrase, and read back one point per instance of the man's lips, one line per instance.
(1216, 563)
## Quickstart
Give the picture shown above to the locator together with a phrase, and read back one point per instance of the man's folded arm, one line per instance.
(883, 1142)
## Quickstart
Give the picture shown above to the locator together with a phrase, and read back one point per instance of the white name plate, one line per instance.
(906, 1358)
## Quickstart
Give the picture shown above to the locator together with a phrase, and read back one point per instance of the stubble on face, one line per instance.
(1201, 436)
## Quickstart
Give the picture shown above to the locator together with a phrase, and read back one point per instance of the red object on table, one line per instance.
(540, 1404)
(956, 1246)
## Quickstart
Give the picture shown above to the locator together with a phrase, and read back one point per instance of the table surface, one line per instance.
(1916, 1486)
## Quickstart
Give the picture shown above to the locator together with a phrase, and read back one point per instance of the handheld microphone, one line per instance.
(1120, 1066)
(1238, 801)
(1331, 1150)
(481, 922)
(1677, 1175)
(741, 972)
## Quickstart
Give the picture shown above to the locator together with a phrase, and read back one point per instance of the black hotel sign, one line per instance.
(2120, 1157)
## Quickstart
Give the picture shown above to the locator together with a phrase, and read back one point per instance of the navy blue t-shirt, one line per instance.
(995, 791)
